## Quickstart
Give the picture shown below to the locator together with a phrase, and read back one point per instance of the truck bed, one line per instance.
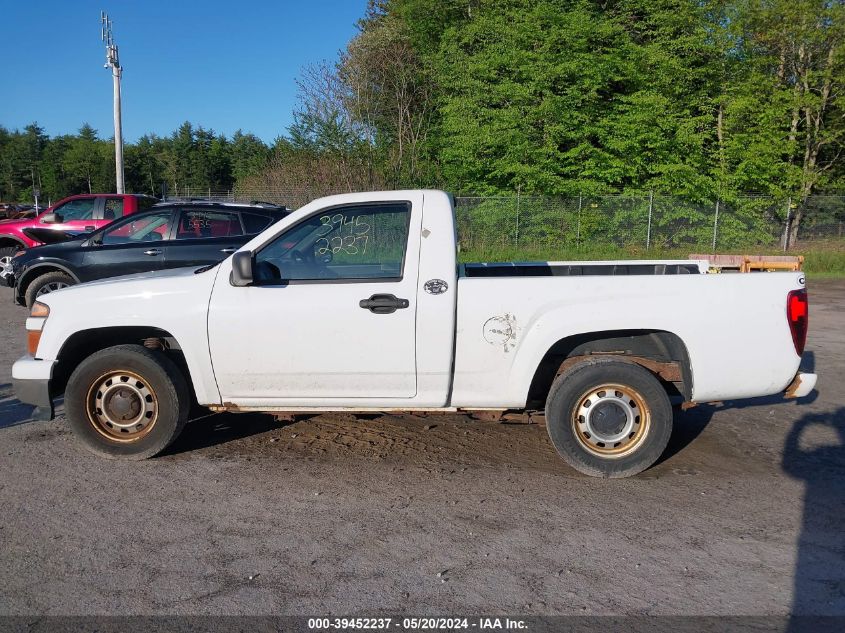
(571, 269)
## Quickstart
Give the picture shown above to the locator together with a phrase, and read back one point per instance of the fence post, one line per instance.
(787, 224)
(716, 225)
(518, 190)
(578, 222)
(650, 210)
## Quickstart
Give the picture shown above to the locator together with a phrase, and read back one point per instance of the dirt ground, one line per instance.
(346, 515)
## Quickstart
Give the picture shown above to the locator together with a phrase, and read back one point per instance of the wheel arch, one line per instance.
(11, 240)
(33, 272)
(82, 344)
(656, 350)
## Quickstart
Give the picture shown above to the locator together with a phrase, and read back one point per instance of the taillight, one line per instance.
(797, 313)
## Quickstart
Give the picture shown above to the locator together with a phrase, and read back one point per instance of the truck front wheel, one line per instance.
(127, 402)
(608, 418)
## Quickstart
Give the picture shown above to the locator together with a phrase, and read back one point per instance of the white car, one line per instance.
(356, 303)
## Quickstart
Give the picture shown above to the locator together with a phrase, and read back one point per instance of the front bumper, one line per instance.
(31, 383)
(801, 385)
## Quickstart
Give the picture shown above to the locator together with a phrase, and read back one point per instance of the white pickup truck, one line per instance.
(356, 303)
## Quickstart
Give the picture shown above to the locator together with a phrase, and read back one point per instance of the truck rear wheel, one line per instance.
(127, 402)
(608, 418)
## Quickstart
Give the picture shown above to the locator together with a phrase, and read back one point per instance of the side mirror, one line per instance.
(241, 269)
(52, 218)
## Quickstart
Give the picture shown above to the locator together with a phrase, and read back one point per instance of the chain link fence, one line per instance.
(644, 222)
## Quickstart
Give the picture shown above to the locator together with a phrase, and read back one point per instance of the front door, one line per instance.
(78, 214)
(330, 318)
(135, 244)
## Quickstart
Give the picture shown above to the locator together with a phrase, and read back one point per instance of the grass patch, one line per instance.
(821, 263)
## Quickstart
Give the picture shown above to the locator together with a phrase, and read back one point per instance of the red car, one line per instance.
(77, 213)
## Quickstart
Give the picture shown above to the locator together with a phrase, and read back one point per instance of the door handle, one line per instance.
(228, 249)
(152, 251)
(383, 304)
(90, 228)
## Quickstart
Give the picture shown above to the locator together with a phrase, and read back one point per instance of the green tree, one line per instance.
(249, 155)
(144, 166)
(526, 86)
(83, 161)
(785, 122)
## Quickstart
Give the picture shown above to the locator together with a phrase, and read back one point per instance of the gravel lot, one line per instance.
(339, 515)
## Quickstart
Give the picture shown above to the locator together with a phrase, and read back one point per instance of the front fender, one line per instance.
(175, 301)
(43, 266)
(15, 239)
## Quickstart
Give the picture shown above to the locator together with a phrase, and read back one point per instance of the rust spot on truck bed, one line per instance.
(668, 371)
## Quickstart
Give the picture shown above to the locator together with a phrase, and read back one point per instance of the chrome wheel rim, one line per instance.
(122, 406)
(5, 266)
(50, 287)
(611, 420)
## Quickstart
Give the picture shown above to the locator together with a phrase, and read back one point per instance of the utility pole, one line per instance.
(716, 225)
(36, 189)
(113, 62)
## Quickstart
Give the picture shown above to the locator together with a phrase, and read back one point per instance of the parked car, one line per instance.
(76, 213)
(23, 214)
(8, 209)
(356, 302)
(166, 236)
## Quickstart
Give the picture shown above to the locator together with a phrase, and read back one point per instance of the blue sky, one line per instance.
(222, 65)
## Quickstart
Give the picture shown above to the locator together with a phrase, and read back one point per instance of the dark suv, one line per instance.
(169, 235)
(81, 213)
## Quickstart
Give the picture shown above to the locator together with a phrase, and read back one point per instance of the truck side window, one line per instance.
(365, 241)
(79, 209)
(113, 208)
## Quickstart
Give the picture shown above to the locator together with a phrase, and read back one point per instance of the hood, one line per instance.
(17, 224)
(148, 278)
(127, 295)
(46, 251)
